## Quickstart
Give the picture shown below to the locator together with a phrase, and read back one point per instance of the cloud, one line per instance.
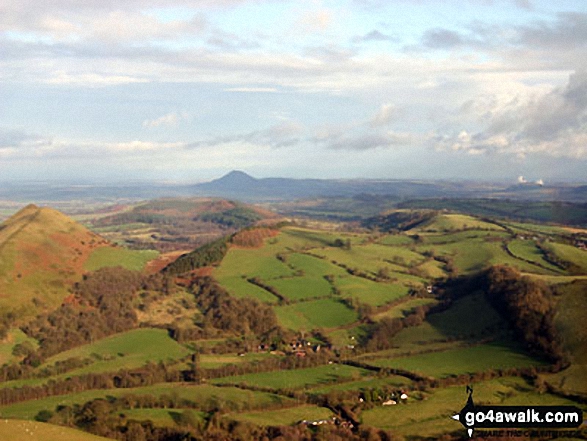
(568, 31)
(253, 89)
(439, 38)
(363, 141)
(168, 120)
(385, 116)
(553, 124)
(374, 35)
(285, 134)
(524, 4)
(16, 142)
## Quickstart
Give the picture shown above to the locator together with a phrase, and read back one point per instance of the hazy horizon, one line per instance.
(152, 90)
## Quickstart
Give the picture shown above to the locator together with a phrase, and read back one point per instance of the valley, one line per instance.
(207, 318)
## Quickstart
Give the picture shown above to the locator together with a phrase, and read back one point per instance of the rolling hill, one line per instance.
(42, 252)
(171, 224)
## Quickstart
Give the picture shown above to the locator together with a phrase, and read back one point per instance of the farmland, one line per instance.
(311, 323)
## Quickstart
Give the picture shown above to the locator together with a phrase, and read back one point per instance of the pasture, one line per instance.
(134, 260)
(321, 313)
(282, 417)
(466, 360)
(430, 416)
(298, 378)
(15, 430)
(125, 350)
(203, 396)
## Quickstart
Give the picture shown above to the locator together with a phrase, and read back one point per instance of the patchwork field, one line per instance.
(429, 414)
(331, 287)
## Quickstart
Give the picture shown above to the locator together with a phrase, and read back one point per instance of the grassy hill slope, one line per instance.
(42, 252)
(11, 430)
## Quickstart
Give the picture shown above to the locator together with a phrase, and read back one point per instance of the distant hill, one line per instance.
(238, 184)
(170, 224)
(42, 252)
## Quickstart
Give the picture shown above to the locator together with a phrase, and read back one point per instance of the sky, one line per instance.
(185, 91)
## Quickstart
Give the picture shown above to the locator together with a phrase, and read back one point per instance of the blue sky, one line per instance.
(189, 90)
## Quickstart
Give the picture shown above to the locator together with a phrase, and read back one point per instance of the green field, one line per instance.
(403, 308)
(126, 350)
(527, 250)
(118, 256)
(430, 417)
(369, 258)
(463, 360)
(16, 430)
(370, 292)
(456, 222)
(473, 255)
(161, 417)
(283, 417)
(299, 378)
(361, 385)
(570, 322)
(205, 395)
(322, 313)
(316, 275)
(211, 361)
(569, 253)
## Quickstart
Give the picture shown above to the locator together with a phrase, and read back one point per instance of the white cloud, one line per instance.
(253, 89)
(169, 120)
(385, 116)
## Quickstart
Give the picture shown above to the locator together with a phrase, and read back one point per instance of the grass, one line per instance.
(570, 320)
(238, 286)
(362, 385)
(125, 350)
(370, 292)
(11, 430)
(463, 360)
(570, 254)
(455, 222)
(41, 254)
(350, 336)
(469, 317)
(372, 256)
(527, 250)
(210, 361)
(298, 378)
(400, 310)
(322, 313)
(299, 288)
(160, 417)
(472, 255)
(430, 417)
(283, 417)
(202, 395)
(396, 239)
(459, 236)
(134, 260)
(15, 336)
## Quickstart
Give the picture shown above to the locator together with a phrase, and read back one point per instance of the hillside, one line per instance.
(172, 224)
(11, 430)
(42, 252)
(297, 322)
